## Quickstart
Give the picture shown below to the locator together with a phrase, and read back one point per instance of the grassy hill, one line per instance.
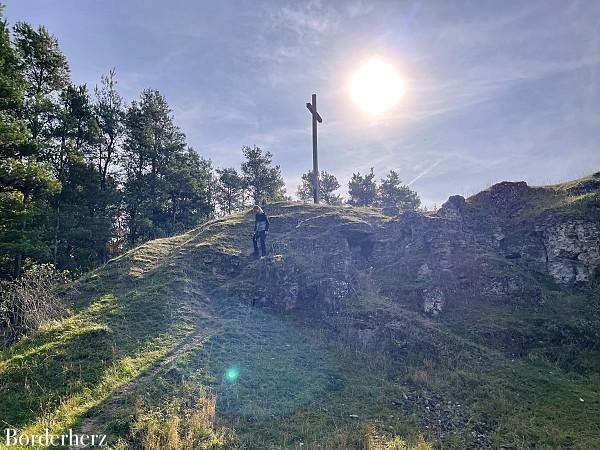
(359, 331)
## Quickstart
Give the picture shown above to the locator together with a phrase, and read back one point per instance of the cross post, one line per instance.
(312, 107)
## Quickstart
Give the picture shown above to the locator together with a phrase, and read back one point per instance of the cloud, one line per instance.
(308, 21)
(201, 113)
(292, 31)
(426, 171)
(359, 8)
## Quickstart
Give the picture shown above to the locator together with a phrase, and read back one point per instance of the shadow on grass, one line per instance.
(52, 376)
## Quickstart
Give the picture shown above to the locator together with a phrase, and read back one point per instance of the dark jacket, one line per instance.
(261, 222)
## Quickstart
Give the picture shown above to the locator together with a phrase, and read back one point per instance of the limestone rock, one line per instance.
(572, 249)
(433, 301)
(453, 208)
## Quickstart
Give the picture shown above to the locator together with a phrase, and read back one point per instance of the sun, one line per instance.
(376, 86)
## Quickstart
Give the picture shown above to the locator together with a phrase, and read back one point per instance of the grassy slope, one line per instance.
(147, 329)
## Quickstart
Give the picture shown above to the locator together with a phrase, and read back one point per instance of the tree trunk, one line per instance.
(56, 227)
(19, 257)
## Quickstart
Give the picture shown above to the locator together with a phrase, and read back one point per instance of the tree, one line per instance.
(45, 71)
(47, 106)
(394, 197)
(25, 183)
(362, 189)
(72, 133)
(168, 186)
(86, 223)
(328, 184)
(24, 187)
(13, 130)
(109, 114)
(189, 191)
(263, 180)
(230, 190)
(151, 141)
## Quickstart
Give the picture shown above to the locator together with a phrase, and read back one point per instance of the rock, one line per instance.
(572, 249)
(453, 208)
(424, 272)
(506, 199)
(433, 301)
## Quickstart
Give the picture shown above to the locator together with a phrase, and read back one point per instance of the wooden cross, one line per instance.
(312, 107)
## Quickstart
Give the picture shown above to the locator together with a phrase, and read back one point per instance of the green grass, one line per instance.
(152, 336)
(579, 198)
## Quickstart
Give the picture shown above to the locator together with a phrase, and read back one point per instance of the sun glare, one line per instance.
(376, 86)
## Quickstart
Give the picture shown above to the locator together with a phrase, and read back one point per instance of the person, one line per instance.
(261, 228)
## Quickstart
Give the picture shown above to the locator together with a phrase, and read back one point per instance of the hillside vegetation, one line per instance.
(476, 326)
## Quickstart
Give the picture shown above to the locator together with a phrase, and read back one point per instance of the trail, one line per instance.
(91, 425)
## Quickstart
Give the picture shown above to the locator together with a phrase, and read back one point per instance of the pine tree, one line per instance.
(394, 197)
(230, 190)
(362, 189)
(25, 183)
(46, 73)
(109, 114)
(168, 187)
(189, 192)
(263, 180)
(328, 184)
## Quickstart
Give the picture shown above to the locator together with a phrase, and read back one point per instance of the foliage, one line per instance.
(263, 180)
(328, 184)
(230, 190)
(30, 302)
(394, 197)
(391, 194)
(185, 423)
(362, 189)
(396, 443)
(25, 181)
(167, 185)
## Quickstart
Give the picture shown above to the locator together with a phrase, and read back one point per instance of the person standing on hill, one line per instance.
(261, 227)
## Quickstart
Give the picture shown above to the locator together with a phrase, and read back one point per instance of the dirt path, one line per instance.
(92, 425)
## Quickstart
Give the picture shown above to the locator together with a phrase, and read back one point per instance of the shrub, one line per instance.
(399, 444)
(28, 303)
(184, 424)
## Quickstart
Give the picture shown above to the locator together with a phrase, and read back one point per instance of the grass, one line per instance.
(184, 423)
(159, 353)
(51, 378)
(579, 198)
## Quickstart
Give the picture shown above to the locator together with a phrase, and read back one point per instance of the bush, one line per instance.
(184, 424)
(398, 444)
(28, 303)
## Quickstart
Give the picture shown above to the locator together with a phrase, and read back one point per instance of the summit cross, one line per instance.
(312, 107)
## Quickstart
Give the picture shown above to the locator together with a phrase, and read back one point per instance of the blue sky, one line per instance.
(495, 90)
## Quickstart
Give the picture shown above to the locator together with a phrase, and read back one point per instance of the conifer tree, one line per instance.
(263, 180)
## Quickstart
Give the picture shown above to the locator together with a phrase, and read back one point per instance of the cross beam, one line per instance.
(312, 107)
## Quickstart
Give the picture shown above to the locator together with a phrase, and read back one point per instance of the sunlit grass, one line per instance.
(280, 381)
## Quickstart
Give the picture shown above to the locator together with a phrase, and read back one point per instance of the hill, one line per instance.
(476, 326)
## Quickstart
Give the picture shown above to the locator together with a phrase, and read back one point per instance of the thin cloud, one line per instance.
(426, 171)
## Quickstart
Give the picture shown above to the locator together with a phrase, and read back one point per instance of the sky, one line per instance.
(494, 90)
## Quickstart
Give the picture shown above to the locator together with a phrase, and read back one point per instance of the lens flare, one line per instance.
(232, 374)
(376, 86)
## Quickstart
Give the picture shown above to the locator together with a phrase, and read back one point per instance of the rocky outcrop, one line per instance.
(492, 246)
(572, 248)
(505, 199)
(433, 301)
(453, 209)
